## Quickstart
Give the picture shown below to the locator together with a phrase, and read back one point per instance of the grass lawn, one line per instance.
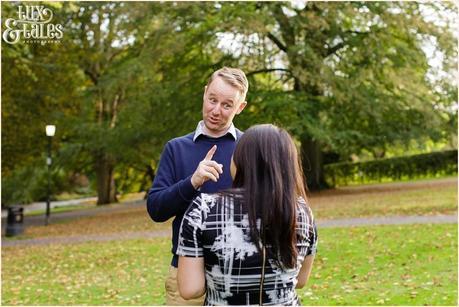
(61, 209)
(89, 204)
(423, 198)
(129, 220)
(432, 197)
(378, 265)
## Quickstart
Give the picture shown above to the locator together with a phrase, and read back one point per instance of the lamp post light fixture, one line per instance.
(50, 131)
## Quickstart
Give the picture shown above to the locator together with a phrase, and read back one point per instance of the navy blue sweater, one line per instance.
(172, 191)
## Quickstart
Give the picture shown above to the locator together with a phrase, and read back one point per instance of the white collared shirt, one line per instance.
(200, 130)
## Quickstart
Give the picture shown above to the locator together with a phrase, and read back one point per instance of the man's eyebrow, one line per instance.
(226, 100)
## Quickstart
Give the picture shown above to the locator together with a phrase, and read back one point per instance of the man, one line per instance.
(198, 162)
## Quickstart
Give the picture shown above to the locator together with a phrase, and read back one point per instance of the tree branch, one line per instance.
(93, 76)
(277, 42)
(340, 45)
(286, 29)
(115, 53)
(335, 48)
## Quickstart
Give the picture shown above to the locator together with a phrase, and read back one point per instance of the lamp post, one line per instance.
(50, 131)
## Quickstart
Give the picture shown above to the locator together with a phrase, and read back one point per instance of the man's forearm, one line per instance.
(166, 202)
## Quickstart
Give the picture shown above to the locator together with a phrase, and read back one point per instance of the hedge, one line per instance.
(435, 164)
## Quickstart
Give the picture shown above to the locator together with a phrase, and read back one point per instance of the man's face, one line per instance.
(221, 103)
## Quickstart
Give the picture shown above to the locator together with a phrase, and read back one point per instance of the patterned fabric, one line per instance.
(217, 228)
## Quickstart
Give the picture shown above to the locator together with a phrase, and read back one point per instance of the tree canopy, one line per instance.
(343, 77)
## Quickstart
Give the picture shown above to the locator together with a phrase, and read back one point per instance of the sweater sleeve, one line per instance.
(169, 197)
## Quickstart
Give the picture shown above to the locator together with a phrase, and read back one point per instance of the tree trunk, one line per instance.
(147, 180)
(312, 158)
(106, 192)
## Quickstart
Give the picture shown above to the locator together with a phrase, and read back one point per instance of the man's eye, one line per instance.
(227, 106)
(213, 100)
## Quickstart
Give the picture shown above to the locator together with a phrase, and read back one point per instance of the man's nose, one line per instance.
(216, 109)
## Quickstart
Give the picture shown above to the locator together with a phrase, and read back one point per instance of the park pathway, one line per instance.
(347, 222)
(138, 203)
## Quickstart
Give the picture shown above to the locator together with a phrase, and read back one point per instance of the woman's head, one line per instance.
(267, 154)
(267, 167)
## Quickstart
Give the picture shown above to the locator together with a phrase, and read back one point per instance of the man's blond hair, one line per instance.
(234, 77)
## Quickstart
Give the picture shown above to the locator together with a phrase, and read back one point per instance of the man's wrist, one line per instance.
(195, 185)
(186, 189)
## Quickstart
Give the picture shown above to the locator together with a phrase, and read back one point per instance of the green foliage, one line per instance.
(128, 77)
(434, 164)
(133, 70)
(360, 67)
(30, 183)
(39, 87)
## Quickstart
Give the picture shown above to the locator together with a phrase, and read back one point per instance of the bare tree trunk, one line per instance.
(106, 192)
(147, 180)
(312, 157)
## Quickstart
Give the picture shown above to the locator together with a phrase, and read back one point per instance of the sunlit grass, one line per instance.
(424, 200)
(430, 199)
(128, 220)
(385, 265)
(379, 265)
(113, 273)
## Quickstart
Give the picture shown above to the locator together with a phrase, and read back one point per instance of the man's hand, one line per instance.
(207, 170)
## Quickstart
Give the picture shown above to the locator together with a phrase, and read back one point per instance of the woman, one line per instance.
(255, 243)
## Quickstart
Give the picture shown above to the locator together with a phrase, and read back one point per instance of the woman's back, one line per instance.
(216, 227)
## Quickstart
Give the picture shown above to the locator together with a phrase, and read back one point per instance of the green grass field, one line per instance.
(432, 197)
(378, 265)
(397, 200)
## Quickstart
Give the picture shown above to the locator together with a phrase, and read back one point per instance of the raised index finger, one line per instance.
(210, 153)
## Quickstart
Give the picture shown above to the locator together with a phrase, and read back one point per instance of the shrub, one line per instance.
(429, 165)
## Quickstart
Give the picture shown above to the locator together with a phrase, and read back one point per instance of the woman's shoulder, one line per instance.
(209, 200)
(303, 209)
(205, 200)
(206, 203)
(220, 196)
(303, 204)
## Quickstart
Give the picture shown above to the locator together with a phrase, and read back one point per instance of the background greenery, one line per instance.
(351, 81)
(431, 165)
(360, 85)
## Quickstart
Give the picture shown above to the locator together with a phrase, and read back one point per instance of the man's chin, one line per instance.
(214, 128)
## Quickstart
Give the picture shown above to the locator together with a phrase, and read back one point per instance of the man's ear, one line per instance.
(205, 90)
(241, 107)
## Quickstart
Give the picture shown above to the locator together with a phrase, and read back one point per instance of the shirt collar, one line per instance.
(200, 130)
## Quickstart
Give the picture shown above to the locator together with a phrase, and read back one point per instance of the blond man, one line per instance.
(198, 162)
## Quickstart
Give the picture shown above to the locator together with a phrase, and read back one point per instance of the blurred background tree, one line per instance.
(349, 77)
(350, 80)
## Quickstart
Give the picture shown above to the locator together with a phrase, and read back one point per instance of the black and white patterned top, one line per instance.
(217, 228)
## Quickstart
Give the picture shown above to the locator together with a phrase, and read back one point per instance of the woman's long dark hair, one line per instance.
(269, 172)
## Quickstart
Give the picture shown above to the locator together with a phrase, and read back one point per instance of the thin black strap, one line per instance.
(262, 276)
